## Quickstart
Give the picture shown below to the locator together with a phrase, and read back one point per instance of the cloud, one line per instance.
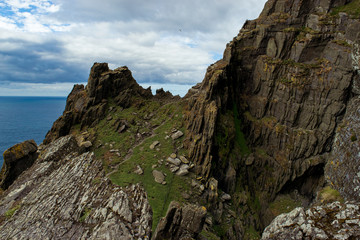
(162, 42)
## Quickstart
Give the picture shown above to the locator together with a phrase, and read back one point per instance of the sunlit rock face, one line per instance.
(65, 195)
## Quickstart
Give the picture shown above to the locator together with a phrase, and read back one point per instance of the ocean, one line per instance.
(24, 118)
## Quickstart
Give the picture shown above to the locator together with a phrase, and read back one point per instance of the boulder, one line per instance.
(184, 160)
(139, 170)
(183, 170)
(331, 221)
(86, 144)
(181, 222)
(159, 177)
(154, 144)
(177, 135)
(174, 161)
(17, 159)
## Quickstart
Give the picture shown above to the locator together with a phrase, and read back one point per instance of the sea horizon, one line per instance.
(27, 117)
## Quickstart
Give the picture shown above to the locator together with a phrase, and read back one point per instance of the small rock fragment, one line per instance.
(250, 160)
(225, 197)
(173, 155)
(122, 128)
(86, 144)
(174, 168)
(184, 160)
(154, 144)
(183, 170)
(177, 135)
(158, 176)
(173, 161)
(139, 170)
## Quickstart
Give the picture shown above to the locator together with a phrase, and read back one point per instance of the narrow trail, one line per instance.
(130, 152)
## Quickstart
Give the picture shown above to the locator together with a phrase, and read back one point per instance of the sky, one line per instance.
(48, 46)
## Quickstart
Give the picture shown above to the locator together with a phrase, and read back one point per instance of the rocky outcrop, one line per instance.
(343, 167)
(332, 221)
(87, 106)
(266, 115)
(16, 160)
(181, 222)
(65, 195)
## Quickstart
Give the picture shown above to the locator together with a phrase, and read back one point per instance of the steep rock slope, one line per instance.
(87, 106)
(259, 130)
(270, 108)
(65, 195)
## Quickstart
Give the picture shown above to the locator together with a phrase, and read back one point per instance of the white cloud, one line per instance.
(162, 41)
(35, 89)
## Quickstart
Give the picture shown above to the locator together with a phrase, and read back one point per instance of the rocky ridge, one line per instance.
(274, 102)
(272, 123)
(65, 195)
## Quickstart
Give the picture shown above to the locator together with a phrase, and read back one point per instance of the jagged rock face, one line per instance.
(286, 80)
(65, 195)
(181, 222)
(17, 159)
(87, 106)
(331, 221)
(290, 73)
(343, 167)
(204, 102)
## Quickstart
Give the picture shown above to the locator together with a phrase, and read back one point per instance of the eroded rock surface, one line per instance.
(332, 221)
(87, 106)
(16, 160)
(343, 167)
(277, 96)
(65, 195)
(181, 222)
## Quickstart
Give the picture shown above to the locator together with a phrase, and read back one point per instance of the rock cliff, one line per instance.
(65, 195)
(274, 126)
(270, 108)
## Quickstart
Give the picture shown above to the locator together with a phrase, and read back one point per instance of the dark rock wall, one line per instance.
(87, 106)
(288, 77)
(17, 159)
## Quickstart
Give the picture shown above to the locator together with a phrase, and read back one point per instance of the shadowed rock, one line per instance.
(17, 159)
(181, 222)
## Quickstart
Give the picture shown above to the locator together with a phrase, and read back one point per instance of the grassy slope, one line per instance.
(165, 118)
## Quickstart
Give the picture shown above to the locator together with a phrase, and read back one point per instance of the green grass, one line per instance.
(9, 213)
(85, 213)
(159, 195)
(209, 235)
(283, 204)
(352, 9)
(251, 234)
(328, 195)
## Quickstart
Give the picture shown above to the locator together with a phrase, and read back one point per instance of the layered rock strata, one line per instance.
(181, 222)
(65, 195)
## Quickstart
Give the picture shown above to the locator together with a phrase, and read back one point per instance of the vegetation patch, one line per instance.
(9, 213)
(84, 214)
(251, 233)
(352, 9)
(328, 195)
(159, 195)
(283, 204)
(342, 43)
